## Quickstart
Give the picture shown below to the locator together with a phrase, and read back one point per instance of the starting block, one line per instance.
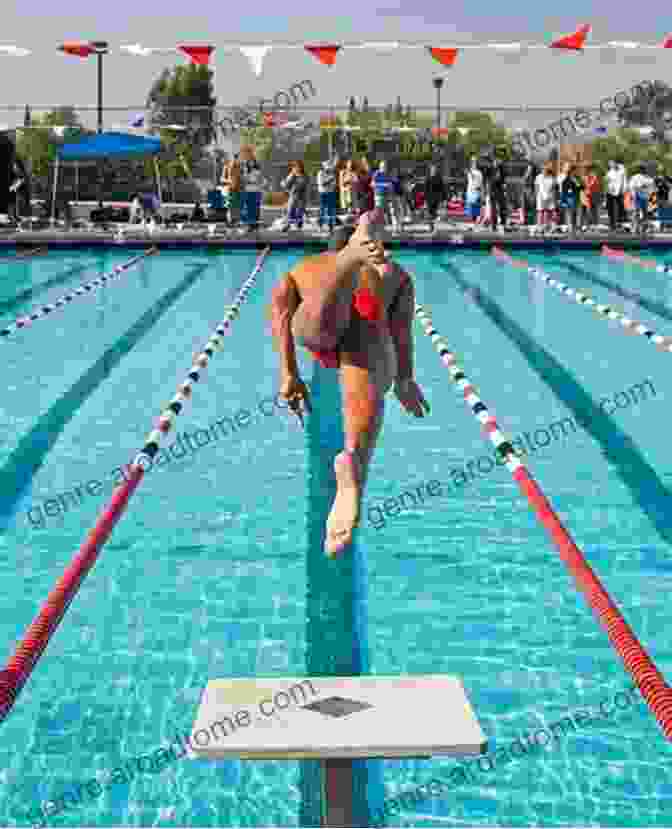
(336, 720)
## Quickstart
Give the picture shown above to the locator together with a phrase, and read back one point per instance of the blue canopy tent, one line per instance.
(107, 145)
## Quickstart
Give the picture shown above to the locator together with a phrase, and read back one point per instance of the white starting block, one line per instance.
(335, 720)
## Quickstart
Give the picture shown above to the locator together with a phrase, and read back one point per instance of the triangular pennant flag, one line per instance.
(80, 50)
(199, 55)
(255, 55)
(667, 43)
(325, 54)
(14, 51)
(573, 41)
(446, 57)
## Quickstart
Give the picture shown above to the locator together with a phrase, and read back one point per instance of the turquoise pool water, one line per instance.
(216, 569)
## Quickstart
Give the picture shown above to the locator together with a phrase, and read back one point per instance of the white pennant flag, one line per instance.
(14, 51)
(255, 55)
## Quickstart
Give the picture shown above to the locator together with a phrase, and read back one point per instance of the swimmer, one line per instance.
(352, 308)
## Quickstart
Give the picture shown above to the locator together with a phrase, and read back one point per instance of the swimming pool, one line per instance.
(216, 569)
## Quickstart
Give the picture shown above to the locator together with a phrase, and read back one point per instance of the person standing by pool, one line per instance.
(545, 187)
(296, 184)
(641, 187)
(326, 186)
(497, 191)
(569, 188)
(435, 193)
(347, 178)
(615, 195)
(353, 311)
(231, 185)
(474, 196)
(383, 192)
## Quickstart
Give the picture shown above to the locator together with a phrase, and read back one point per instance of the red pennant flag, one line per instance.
(446, 57)
(667, 43)
(325, 54)
(573, 41)
(80, 50)
(199, 55)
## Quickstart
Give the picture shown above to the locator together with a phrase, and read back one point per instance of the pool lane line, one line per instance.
(647, 304)
(21, 256)
(84, 288)
(622, 256)
(605, 311)
(35, 290)
(651, 683)
(18, 669)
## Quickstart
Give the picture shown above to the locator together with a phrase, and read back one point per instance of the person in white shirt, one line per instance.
(252, 195)
(474, 197)
(327, 188)
(641, 187)
(613, 195)
(545, 187)
(135, 211)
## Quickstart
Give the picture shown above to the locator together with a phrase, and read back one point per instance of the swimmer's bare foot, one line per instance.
(344, 515)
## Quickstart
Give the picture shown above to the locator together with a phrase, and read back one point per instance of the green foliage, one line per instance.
(180, 87)
(38, 144)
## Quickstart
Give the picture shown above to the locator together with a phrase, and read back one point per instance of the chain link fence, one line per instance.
(409, 137)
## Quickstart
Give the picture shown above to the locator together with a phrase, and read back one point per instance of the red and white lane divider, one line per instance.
(605, 311)
(84, 288)
(650, 681)
(19, 668)
(622, 256)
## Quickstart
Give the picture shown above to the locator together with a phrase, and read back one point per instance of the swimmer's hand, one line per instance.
(410, 396)
(295, 392)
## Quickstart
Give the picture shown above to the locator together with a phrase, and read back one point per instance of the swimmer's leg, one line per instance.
(363, 392)
(325, 312)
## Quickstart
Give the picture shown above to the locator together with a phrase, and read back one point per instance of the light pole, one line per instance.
(100, 48)
(438, 83)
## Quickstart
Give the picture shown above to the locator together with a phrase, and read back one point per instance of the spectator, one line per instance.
(346, 181)
(383, 188)
(326, 186)
(296, 185)
(361, 189)
(197, 214)
(370, 199)
(569, 188)
(590, 199)
(497, 188)
(545, 189)
(435, 193)
(231, 184)
(529, 194)
(396, 202)
(474, 194)
(615, 194)
(625, 189)
(136, 213)
(662, 183)
(641, 186)
(252, 194)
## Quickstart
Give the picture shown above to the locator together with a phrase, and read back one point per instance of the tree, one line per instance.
(37, 145)
(651, 107)
(177, 89)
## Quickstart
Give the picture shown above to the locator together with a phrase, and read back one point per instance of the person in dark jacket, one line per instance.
(529, 194)
(435, 193)
(497, 184)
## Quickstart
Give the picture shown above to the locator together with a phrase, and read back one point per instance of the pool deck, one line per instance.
(447, 235)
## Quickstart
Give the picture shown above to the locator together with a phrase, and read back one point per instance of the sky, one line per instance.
(541, 78)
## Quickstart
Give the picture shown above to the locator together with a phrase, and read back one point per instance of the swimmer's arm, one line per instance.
(284, 302)
(401, 328)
